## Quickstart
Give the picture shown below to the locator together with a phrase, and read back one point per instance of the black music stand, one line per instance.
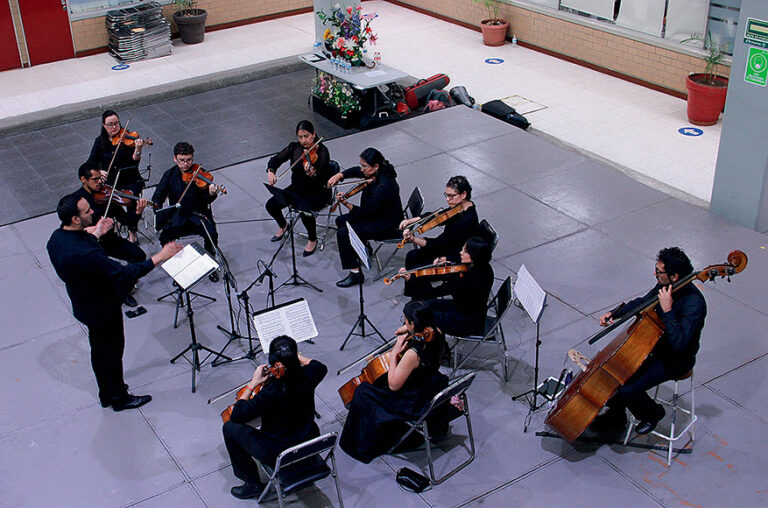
(362, 318)
(298, 206)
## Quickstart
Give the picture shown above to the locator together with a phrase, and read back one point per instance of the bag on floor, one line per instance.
(416, 95)
(460, 95)
(503, 111)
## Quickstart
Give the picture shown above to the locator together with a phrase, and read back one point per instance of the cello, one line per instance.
(591, 389)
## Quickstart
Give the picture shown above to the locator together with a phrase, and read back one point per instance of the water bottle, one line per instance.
(514, 40)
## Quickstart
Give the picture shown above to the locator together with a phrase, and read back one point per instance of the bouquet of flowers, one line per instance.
(336, 93)
(348, 32)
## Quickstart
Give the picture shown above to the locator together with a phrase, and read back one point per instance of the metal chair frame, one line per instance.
(413, 208)
(458, 387)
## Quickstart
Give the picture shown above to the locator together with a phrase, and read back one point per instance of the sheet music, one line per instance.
(293, 319)
(189, 266)
(359, 246)
(530, 294)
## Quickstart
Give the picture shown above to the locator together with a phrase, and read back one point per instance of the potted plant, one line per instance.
(190, 21)
(707, 90)
(494, 29)
(336, 100)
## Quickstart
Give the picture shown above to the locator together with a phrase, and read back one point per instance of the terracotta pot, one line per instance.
(705, 102)
(494, 35)
(191, 25)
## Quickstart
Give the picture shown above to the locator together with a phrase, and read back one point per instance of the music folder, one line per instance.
(189, 266)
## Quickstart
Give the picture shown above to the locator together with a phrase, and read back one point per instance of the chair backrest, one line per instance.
(456, 388)
(306, 450)
(490, 234)
(500, 304)
(415, 204)
(335, 167)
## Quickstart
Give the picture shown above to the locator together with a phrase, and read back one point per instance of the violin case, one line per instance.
(416, 94)
(505, 112)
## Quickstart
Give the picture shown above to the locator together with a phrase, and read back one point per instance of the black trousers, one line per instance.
(315, 202)
(632, 395)
(133, 218)
(191, 226)
(453, 321)
(117, 247)
(107, 340)
(349, 259)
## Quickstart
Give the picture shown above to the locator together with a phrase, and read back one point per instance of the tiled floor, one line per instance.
(588, 251)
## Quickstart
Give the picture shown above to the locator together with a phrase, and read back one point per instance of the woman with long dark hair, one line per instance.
(286, 406)
(375, 218)
(308, 179)
(378, 411)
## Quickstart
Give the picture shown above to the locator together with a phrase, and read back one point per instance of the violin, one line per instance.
(431, 271)
(309, 157)
(351, 192)
(276, 371)
(430, 221)
(379, 365)
(128, 138)
(201, 177)
(610, 368)
(122, 198)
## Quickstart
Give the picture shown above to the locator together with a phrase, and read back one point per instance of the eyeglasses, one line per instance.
(451, 195)
(659, 272)
(112, 124)
(184, 161)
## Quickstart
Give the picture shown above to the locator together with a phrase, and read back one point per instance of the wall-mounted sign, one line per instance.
(757, 67)
(756, 32)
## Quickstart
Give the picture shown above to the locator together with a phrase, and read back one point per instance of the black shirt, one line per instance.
(96, 284)
(101, 155)
(380, 206)
(197, 199)
(287, 409)
(469, 290)
(456, 231)
(302, 183)
(116, 211)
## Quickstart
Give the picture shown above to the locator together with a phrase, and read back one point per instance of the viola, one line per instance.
(201, 177)
(276, 371)
(122, 198)
(431, 271)
(128, 138)
(351, 192)
(430, 221)
(622, 357)
(378, 366)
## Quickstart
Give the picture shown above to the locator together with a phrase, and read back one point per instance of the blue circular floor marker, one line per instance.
(120, 67)
(494, 61)
(690, 131)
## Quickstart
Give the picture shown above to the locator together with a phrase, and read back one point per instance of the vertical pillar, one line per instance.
(740, 189)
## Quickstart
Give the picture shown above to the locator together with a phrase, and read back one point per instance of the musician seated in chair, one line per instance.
(286, 406)
(448, 244)
(377, 216)
(193, 215)
(464, 313)
(377, 412)
(308, 180)
(682, 314)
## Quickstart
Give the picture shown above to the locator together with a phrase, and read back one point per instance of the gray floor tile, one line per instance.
(183, 495)
(746, 386)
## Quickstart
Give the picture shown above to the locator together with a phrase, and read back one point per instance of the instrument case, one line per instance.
(416, 95)
(503, 111)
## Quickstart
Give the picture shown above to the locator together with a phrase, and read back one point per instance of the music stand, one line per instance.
(298, 206)
(362, 318)
(290, 318)
(187, 268)
(533, 300)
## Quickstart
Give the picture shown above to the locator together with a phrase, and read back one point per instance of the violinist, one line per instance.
(448, 244)
(464, 313)
(286, 407)
(194, 215)
(674, 354)
(114, 245)
(308, 178)
(377, 216)
(126, 161)
(378, 411)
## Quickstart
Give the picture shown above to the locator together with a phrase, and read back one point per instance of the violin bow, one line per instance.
(112, 194)
(120, 142)
(199, 167)
(297, 160)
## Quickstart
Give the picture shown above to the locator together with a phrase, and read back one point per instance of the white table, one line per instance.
(360, 78)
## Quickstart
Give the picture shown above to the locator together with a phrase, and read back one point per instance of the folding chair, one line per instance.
(413, 208)
(303, 465)
(490, 234)
(493, 332)
(458, 388)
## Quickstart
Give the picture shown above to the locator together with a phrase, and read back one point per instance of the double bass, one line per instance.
(589, 391)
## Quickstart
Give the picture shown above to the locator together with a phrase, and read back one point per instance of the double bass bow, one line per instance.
(430, 221)
(582, 400)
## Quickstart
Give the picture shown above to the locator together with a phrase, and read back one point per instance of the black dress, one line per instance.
(375, 421)
(310, 189)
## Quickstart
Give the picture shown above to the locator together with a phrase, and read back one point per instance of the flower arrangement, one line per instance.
(335, 93)
(349, 31)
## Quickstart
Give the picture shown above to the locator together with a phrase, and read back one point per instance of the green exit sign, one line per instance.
(757, 67)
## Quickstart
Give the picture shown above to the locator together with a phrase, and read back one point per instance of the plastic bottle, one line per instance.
(514, 40)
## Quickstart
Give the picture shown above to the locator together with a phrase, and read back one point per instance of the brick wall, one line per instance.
(658, 66)
(90, 34)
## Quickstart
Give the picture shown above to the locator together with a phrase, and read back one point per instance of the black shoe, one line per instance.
(308, 253)
(610, 421)
(247, 490)
(275, 238)
(352, 279)
(130, 301)
(105, 403)
(214, 276)
(647, 426)
(131, 402)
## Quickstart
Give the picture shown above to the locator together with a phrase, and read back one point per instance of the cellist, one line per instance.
(674, 354)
